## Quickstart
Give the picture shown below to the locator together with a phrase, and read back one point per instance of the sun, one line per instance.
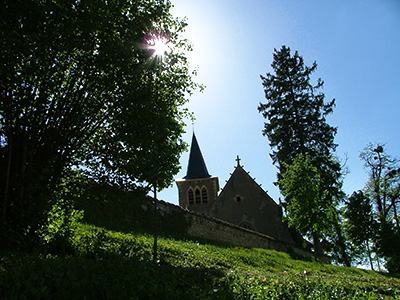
(159, 45)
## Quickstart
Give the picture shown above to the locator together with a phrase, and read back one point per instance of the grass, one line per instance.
(110, 257)
(105, 264)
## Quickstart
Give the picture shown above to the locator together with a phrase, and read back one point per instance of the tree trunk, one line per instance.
(395, 213)
(369, 255)
(377, 260)
(155, 226)
(341, 242)
(7, 183)
(317, 245)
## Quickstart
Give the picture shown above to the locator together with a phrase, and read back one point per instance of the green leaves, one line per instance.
(378, 205)
(302, 187)
(78, 87)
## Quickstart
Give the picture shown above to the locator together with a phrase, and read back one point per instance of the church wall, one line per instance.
(211, 186)
(243, 201)
(205, 227)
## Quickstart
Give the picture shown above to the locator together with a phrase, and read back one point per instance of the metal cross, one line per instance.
(238, 160)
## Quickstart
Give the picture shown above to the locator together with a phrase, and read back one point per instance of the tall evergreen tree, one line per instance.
(295, 114)
(295, 111)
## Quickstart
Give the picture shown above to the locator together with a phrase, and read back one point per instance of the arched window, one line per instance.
(191, 196)
(198, 197)
(204, 195)
(247, 225)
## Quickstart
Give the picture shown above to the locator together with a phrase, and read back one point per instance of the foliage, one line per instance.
(383, 190)
(80, 85)
(295, 111)
(307, 210)
(63, 218)
(383, 186)
(360, 225)
(115, 265)
(295, 114)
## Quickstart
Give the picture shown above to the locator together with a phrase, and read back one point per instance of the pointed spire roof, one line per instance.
(196, 167)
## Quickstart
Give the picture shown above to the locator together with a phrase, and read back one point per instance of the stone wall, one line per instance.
(205, 227)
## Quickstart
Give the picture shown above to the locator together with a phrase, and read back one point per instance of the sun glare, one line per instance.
(159, 46)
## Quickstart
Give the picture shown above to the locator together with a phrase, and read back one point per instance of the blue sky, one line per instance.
(357, 48)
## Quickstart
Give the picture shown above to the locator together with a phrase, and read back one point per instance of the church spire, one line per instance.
(196, 167)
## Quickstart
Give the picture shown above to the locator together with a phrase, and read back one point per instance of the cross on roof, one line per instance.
(238, 161)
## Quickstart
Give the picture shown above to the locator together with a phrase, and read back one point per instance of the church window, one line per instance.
(238, 198)
(191, 196)
(198, 197)
(204, 195)
(247, 225)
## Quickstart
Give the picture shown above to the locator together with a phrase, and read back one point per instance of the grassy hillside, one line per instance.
(109, 256)
(104, 264)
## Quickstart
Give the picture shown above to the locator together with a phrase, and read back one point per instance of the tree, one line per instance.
(383, 186)
(360, 225)
(80, 85)
(305, 199)
(296, 124)
(383, 190)
(295, 111)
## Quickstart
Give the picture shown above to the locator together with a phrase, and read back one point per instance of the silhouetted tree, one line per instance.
(295, 114)
(360, 225)
(383, 189)
(80, 86)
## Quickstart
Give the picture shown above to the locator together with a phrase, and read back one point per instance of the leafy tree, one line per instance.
(360, 224)
(81, 85)
(295, 114)
(383, 190)
(305, 199)
(384, 182)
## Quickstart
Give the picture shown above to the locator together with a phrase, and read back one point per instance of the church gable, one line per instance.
(243, 202)
(241, 187)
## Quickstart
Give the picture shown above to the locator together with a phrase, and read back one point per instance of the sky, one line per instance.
(356, 45)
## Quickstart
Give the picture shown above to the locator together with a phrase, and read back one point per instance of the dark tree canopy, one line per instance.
(360, 225)
(295, 110)
(80, 86)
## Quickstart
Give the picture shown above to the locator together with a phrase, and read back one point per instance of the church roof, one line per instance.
(241, 182)
(196, 167)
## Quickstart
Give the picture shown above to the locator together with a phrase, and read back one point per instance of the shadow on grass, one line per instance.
(128, 212)
(36, 277)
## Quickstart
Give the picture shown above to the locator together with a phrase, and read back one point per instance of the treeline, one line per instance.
(356, 229)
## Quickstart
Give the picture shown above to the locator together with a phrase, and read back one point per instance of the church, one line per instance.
(241, 201)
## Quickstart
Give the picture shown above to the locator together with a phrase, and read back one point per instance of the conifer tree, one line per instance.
(295, 113)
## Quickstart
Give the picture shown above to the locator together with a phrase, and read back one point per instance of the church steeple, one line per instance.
(197, 190)
(197, 167)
